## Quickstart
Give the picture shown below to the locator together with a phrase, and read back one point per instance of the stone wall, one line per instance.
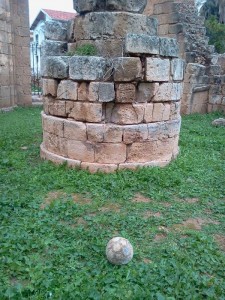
(204, 78)
(15, 74)
(109, 113)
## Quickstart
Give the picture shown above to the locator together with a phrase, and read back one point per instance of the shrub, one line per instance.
(84, 50)
(216, 33)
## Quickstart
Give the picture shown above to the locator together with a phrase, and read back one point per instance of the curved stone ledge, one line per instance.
(105, 168)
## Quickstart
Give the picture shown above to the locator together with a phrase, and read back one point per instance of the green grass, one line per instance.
(52, 244)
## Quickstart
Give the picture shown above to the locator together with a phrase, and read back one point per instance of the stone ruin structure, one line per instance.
(15, 73)
(121, 108)
(204, 80)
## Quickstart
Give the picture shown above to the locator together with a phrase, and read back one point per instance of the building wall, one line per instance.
(15, 88)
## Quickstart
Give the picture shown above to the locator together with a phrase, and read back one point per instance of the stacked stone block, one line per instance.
(15, 71)
(109, 113)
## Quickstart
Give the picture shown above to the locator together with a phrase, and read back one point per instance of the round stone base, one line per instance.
(105, 168)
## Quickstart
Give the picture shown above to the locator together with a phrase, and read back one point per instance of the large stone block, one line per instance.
(56, 30)
(136, 6)
(127, 69)
(113, 133)
(67, 89)
(55, 144)
(87, 112)
(94, 167)
(75, 130)
(54, 48)
(125, 93)
(54, 107)
(88, 68)
(168, 92)
(109, 153)
(55, 67)
(125, 114)
(52, 125)
(101, 91)
(141, 44)
(146, 91)
(157, 69)
(83, 151)
(169, 47)
(135, 133)
(95, 132)
(177, 69)
(112, 25)
(49, 87)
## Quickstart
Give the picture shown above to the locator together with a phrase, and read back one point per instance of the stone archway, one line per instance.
(15, 73)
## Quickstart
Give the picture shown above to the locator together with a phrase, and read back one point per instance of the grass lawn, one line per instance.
(55, 222)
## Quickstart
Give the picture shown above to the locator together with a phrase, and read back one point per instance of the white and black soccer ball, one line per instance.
(119, 251)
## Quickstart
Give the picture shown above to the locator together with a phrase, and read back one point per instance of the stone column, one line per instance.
(117, 111)
(15, 73)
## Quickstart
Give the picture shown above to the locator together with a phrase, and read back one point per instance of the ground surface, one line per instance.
(55, 222)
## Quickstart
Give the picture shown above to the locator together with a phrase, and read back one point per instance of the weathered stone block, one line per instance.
(75, 130)
(157, 69)
(136, 6)
(125, 93)
(83, 151)
(95, 132)
(112, 25)
(158, 110)
(55, 144)
(127, 69)
(52, 125)
(141, 44)
(113, 133)
(177, 69)
(101, 91)
(169, 47)
(83, 91)
(56, 30)
(87, 112)
(150, 151)
(125, 114)
(54, 48)
(55, 67)
(168, 92)
(146, 91)
(54, 107)
(105, 168)
(135, 133)
(109, 153)
(67, 89)
(88, 68)
(148, 117)
(49, 87)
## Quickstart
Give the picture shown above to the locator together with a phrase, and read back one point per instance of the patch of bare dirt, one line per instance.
(147, 261)
(149, 213)
(191, 200)
(139, 198)
(80, 199)
(166, 204)
(52, 196)
(220, 239)
(195, 223)
(159, 237)
(110, 207)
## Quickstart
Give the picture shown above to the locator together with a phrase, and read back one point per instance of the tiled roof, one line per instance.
(59, 15)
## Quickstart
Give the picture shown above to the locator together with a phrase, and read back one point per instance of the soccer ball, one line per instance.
(119, 251)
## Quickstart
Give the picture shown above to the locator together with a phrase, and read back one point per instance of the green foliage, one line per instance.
(57, 250)
(216, 33)
(84, 50)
